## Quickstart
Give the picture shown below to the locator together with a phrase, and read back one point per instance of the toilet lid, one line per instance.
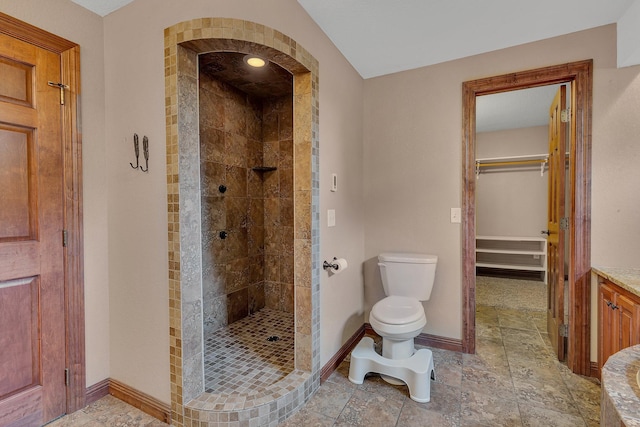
(396, 310)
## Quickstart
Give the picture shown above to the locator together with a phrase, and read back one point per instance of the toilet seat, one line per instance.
(398, 318)
(397, 310)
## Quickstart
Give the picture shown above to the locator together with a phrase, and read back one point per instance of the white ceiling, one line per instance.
(513, 110)
(386, 36)
(102, 7)
(380, 37)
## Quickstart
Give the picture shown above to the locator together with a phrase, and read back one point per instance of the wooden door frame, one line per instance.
(580, 76)
(72, 199)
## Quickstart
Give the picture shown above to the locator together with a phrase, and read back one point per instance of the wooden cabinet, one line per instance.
(618, 319)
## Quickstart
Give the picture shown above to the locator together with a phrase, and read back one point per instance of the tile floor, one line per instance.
(513, 380)
(240, 358)
(108, 412)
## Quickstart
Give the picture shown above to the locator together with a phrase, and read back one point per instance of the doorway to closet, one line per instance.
(578, 76)
(520, 189)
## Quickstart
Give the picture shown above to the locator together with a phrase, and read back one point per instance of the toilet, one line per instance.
(407, 279)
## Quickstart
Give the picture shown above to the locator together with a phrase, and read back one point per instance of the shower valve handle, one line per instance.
(223, 235)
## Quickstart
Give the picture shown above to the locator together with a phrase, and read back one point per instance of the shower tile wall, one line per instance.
(253, 267)
(278, 203)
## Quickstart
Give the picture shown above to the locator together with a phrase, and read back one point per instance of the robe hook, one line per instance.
(136, 148)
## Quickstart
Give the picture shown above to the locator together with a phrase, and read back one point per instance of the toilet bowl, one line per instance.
(398, 320)
(407, 279)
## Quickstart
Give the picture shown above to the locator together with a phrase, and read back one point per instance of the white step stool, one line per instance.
(416, 371)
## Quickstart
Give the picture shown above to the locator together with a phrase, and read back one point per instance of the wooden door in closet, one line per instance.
(556, 208)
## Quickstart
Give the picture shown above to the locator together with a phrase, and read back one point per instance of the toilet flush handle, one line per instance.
(383, 271)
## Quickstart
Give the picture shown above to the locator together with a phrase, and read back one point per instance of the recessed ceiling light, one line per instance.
(254, 61)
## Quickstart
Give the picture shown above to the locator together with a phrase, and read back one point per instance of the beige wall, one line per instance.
(410, 161)
(134, 72)
(512, 201)
(68, 20)
(412, 144)
(125, 210)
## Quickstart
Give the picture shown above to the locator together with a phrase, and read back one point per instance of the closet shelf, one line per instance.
(512, 253)
(511, 266)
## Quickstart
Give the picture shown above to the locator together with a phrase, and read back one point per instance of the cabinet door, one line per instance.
(627, 312)
(609, 332)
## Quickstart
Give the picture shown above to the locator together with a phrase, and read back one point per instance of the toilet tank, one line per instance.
(407, 274)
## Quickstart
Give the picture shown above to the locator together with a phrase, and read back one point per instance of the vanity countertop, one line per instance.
(626, 278)
(620, 390)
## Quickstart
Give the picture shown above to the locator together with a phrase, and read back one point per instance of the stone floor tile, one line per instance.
(521, 336)
(416, 417)
(443, 409)
(487, 382)
(447, 367)
(330, 399)
(533, 416)
(528, 372)
(588, 402)
(488, 332)
(373, 383)
(545, 395)
(512, 319)
(341, 375)
(308, 418)
(496, 363)
(368, 409)
(77, 419)
(486, 315)
(479, 409)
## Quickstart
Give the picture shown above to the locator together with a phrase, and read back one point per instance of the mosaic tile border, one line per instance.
(183, 42)
(275, 397)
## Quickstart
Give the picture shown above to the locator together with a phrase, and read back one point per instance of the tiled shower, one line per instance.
(246, 177)
(186, 44)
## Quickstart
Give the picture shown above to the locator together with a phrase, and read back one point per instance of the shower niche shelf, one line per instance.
(264, 168)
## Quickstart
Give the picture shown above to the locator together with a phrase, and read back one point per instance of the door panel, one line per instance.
(19, 335)
(16, 177)
(555, 212)
(629, 318)
(609, 332)
(17, 81)
(32, 316)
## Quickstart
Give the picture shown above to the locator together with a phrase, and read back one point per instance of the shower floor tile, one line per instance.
(240, 358)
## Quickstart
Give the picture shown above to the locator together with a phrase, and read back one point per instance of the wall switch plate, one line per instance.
(331, 218)
(456, 215)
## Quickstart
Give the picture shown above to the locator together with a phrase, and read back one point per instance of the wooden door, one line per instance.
(629, 318)
(609, 327)
(32, 313)
(555, 213)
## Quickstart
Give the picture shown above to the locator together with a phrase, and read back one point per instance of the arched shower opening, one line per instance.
(261, 256)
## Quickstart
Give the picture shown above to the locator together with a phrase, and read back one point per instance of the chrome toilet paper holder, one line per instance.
(334, 265)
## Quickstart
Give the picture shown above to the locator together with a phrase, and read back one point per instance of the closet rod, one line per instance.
(514, 158)
(515, 162)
